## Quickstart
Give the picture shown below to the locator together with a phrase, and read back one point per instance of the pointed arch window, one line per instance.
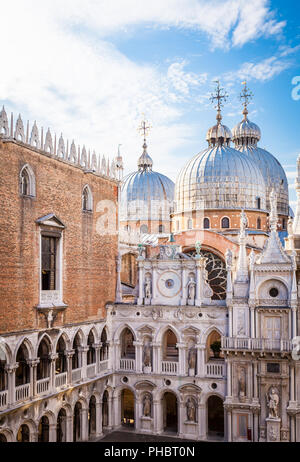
(87, 199)
(27, 182)
(206, 223)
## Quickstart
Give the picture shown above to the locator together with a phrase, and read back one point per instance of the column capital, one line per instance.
(70, 353)
(10, 368)
(33, 362)
(53, 356)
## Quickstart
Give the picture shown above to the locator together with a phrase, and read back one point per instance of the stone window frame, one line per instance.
(31, 181)
(227, 227)
(90, 201)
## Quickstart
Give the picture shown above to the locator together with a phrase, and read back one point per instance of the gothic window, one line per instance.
(27, 182)
(190, 223)
(61, 361)
(206, 223)
(49, 262)
(22, 372)
(104, 348)
(161, 229)
(127, 346)
(216, 274)
(91, 354)
(170, 350)
(76, 358)
(258, 223)
(87, 199)
(3, 373)
(225, 222)
(43, 368)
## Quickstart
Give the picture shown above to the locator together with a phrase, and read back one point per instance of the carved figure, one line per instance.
(273, 402)
(147, 355)
(191, 288)
(147, 406)
(191, 410)
(192, 358)
(148, 288)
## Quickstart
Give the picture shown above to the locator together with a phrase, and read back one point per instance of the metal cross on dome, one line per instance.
(219, 96)
(144, 128)
(246, 95)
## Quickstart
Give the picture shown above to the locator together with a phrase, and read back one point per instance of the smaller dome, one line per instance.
(246, 129)
(218, 131)
(145, 162)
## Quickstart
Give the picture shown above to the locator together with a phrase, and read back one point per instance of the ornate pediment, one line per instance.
(50, 220)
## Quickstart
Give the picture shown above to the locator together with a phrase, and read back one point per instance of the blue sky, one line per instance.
(91, 72)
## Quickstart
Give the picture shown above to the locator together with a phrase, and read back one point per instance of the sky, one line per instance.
(93, 70)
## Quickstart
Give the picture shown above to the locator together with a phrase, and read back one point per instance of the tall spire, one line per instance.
(246, 96)
(145, 162)
(119, 164)
(218, 96)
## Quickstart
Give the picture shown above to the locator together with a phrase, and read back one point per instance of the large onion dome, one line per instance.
(146, 195)
(220, 177)
(246, 135)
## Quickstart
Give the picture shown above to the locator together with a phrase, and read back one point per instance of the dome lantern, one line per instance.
(219, 134)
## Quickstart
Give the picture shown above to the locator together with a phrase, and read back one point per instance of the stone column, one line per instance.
(181, 358)
(156, 358)
(83, 361)
(99, 427)
(255, 395)
(202, 421)
(53, 359)
(69, 428)
(84, 425)
(201, 360)
(116, 355)
(181, 418)
(158, 416)
(252, 320)
(52, 432)
(33, 365)
(198, 282)
(229, 371)
(111, 413)
(229, 425)
(255, 427)
(69, 355)
(154, 282)
(294, 321)
(141, 281)
(183, 300)
(138, 356)
(137, 413)
(292, 369)
(97, 347)
(11, 383)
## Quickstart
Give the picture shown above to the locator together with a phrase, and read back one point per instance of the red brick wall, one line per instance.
(88, 258)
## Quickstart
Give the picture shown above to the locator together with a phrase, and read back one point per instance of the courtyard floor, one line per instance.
(132, 437)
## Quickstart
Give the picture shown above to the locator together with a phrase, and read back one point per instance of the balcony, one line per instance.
(256, 344)
(76, 375)
(42, 386)
(215, 370)
(127, 364)
(169, 367)
(103, 366)
(3, 399)
(91, 370)
(23, 392)
(61, 380)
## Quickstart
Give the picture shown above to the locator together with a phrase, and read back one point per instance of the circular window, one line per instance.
(273, 292)
(169, 283)
(168, 382)
(138, 313)
(125, 379)
(200, 315)
(214, 386)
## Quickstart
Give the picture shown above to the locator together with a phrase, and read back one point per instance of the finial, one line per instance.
(218, 96)
(145, 162)
(246, 96)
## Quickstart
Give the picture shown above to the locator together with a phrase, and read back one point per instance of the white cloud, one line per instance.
(263, 70)
(62, 69)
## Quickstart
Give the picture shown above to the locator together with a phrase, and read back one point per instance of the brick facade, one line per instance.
(89, 265)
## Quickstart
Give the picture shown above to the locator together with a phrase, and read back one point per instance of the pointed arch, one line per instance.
(28, 344)
(27, 181)
(87, 199)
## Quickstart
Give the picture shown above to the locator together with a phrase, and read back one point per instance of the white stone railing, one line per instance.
(91, 370)
(260, 344)
(169, 367)
(216, 370)
(127, 364)
(3, 399)
(103, 366)
(76, 375)
(42, 386)
(61, 380)
(22, 392)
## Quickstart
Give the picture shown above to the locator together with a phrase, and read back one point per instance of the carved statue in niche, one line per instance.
(273, 403)
(242, 383)
(148, 287)
(192, 358)
(147, 354)
(191, 410)
(147, 406)
(191, 288)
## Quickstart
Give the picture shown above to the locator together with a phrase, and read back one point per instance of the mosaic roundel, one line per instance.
(217, 274)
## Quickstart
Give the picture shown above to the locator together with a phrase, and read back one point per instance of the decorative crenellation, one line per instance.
(60, 150)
